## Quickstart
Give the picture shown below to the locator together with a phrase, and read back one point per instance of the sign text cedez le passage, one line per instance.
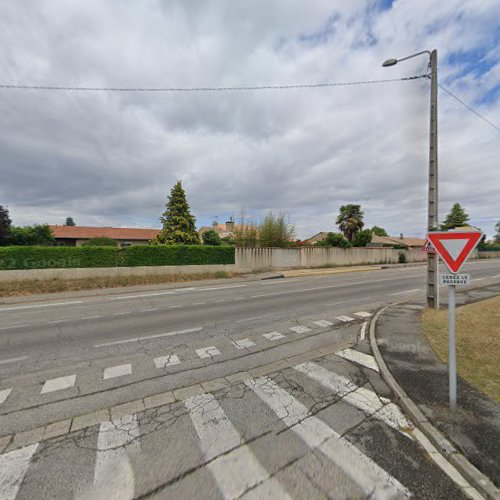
(454, 279)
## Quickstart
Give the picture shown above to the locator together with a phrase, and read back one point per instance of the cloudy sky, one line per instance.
(110, 158)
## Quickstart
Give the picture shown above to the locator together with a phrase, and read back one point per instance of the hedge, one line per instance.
(22, 257)
(177, 255)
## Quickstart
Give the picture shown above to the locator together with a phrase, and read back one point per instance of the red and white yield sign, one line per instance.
(454, 247)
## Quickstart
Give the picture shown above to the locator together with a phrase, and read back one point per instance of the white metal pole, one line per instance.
(452, 359)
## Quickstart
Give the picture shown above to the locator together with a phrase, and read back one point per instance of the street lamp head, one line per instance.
(389, 62)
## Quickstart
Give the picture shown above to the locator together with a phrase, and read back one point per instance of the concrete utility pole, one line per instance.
(433, 216)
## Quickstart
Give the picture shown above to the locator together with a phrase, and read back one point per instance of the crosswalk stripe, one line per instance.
(4, 394)
(345, 319)
(359, 357)
(363, 314)
(13, 468)
(57, 384)
(170, 360)
(113, 473)
(232, 464)
(117, 371)
(368, 475)
(360, 397)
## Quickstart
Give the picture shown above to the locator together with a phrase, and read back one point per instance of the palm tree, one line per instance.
(350, 220)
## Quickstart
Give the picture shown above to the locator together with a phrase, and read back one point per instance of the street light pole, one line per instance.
(432, 217)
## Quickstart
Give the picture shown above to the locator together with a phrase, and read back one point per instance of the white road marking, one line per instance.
(253, 318)
(279, 281)
(54, 304)
(156, 294)
(362, 334)
(363, 471)
(302, 290)
(113, 473)
(198, 303)
(345, 319)
(220, 287)
(149, 337)
(323, 323)
(232, 464)
(164, 361)
(57, 384)
(19, 325)
(364, 399)
(208, 352)
(13, 360)
(243, 343)
(273, 336)
(117, 371)
(4, 394)
(122, 313)
(95, 316)
(359, 357)
(151, 309)
(363, 314)
(13, 468)
(407, 291)
(57, 321)
(300, 329)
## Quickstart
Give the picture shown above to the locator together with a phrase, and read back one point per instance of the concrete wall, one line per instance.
(247, 260)
(489, 255)
(265, 259)
(105, 272)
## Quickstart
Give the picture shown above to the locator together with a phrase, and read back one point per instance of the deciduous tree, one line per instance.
(5, 224)
(276, 231)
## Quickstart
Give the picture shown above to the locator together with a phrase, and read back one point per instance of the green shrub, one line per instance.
(362, 238)
(57, 257)
(177, 255)
(402, 258)
(101, 242)
(334, 240)
(211, 237)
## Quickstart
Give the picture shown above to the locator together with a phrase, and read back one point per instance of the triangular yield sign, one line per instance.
(454, 247)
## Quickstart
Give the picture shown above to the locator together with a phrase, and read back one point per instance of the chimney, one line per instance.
(230, 225)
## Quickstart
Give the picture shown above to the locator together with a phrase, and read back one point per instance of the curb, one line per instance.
(474, 476)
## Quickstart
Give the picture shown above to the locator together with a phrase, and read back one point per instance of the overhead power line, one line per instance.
(13, 86)
(470, 108)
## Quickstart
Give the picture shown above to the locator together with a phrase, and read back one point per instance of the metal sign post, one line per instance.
(453, 247)
(452, 352)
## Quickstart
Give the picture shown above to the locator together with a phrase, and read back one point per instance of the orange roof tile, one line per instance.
(116, 233)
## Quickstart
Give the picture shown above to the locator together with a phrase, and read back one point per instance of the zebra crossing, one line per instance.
(250, 440)
(68, 381)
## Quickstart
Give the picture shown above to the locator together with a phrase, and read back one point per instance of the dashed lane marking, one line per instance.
(156, 294)
(323, 323)
(164, 361)
(232, 464)
(368, 475)
(359, 357)
(220, 288)
(149, 337)
(4, 394)
(345, 319)
(208, 352)
(407, 291)
(243, 343)
(13, 468)
(363, 314)
(273, 336)
(36, 306)
(117, 371)
(13, 360)
(57, 384)
(364, 399)
(300, 329)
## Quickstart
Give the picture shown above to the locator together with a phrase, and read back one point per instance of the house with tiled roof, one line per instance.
(223, 230)
(125, 236)
(391, 241)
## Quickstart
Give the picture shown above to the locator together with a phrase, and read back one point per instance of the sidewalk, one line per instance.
(473, 430)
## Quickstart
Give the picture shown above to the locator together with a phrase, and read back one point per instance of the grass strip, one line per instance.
(478, 342)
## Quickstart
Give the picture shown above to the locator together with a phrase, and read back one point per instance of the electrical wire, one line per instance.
(13, 86)
(470, 108)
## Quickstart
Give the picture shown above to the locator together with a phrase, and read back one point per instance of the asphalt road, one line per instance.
(65, 357)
